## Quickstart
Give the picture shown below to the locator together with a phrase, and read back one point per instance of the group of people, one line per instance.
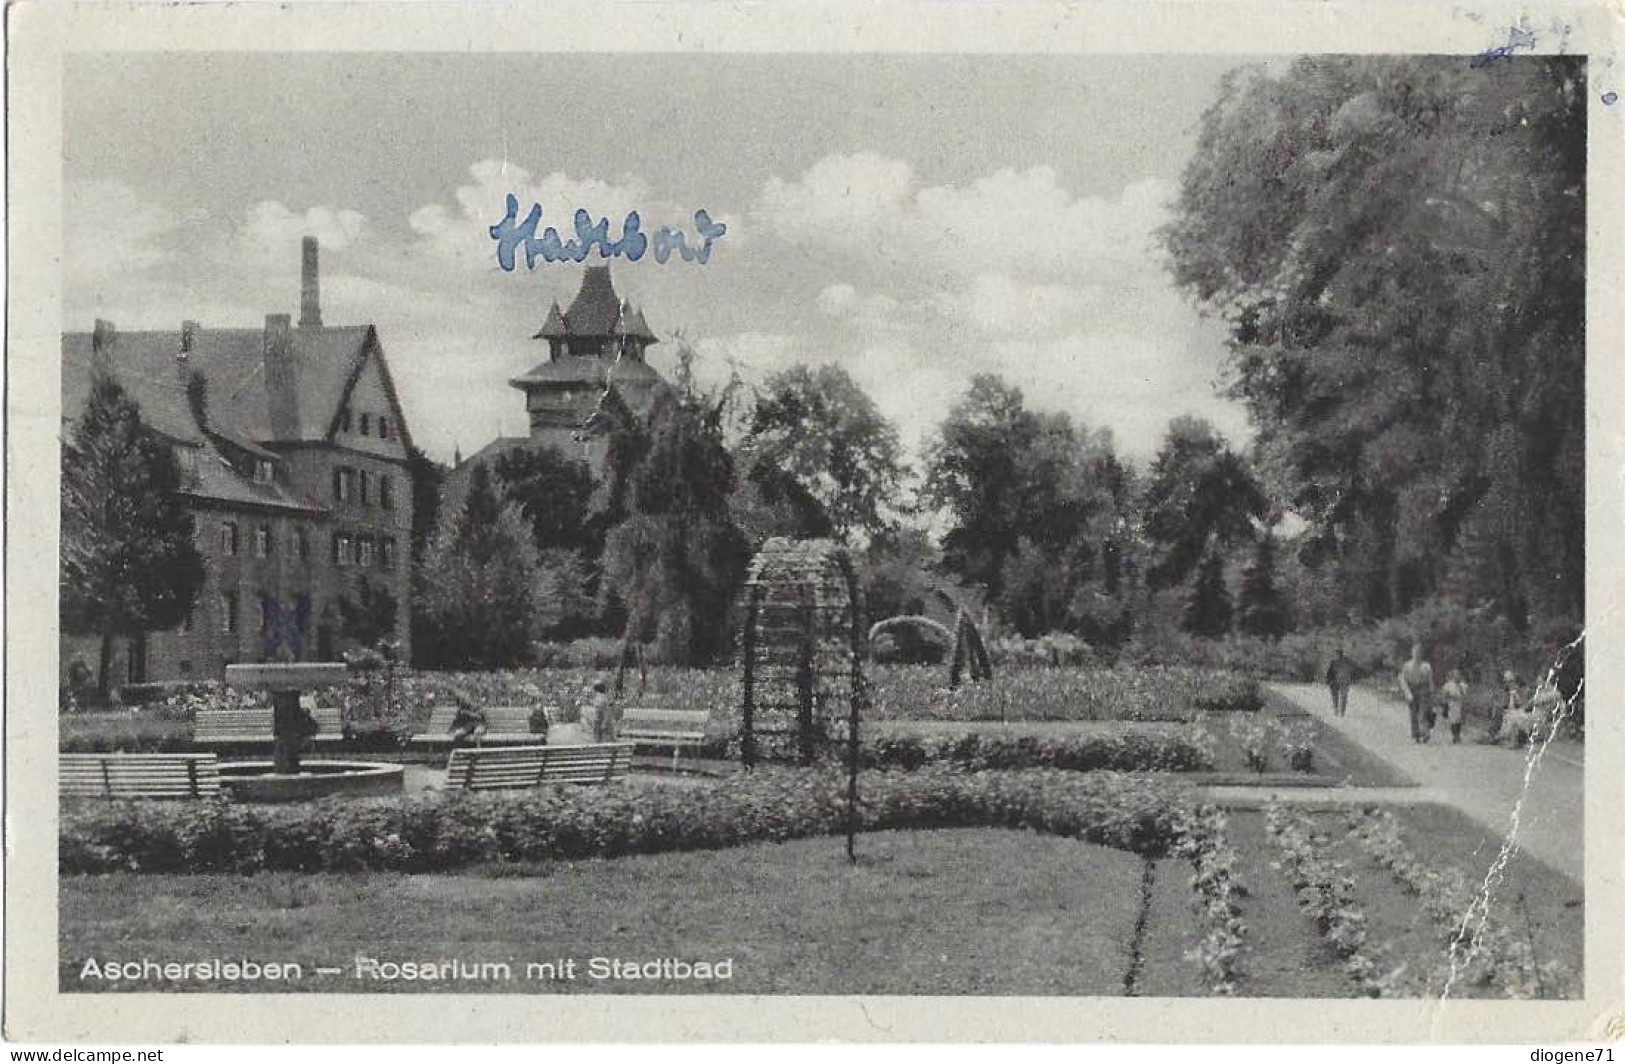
(597, 714)
(1521, 718)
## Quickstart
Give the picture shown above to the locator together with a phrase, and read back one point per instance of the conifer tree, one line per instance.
(128, 565)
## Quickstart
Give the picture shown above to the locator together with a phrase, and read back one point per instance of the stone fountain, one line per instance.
(289, 776)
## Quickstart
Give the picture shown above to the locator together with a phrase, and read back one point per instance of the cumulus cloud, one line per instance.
(271, 227)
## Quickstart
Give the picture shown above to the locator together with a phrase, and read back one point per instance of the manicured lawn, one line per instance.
(940, 912)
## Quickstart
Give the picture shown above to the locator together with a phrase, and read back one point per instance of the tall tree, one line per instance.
(1398, 247)
(973, 471)
(1261, 607)
(824, 430)
(128, 565)
(1208, 608)
(481, 598)
(1201, 496)
(674, 558)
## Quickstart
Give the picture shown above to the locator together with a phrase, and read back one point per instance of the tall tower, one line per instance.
(599, 342)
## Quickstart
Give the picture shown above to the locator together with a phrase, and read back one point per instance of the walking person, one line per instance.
(1416, 684)
(1454, 693)
(1340, 676)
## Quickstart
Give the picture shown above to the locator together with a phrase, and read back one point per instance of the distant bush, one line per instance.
(437, 833)
(598, 652)
(1052, 648)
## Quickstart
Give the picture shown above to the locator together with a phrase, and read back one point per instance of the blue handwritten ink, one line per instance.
(1516, 38)
(284, 628)
(511, 234)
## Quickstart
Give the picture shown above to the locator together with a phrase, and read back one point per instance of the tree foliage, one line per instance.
(1398, 248)
(674, 557)
(482, 595)
(1208, 607)
(128, 564)
(1261, 607)
(1201, 496)
(819, 427)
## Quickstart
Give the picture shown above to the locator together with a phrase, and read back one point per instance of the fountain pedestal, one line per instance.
(286, 778)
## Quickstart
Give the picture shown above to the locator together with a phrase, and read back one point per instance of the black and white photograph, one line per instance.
(693, 523)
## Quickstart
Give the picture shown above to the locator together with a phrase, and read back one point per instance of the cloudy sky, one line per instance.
(916, 219)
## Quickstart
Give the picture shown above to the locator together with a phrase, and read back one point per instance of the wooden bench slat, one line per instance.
(138, 775)
(480, 768)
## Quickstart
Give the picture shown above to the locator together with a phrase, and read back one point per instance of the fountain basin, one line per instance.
(258, 781)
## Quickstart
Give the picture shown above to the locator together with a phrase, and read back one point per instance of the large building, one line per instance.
(601, 339)
(295, 473)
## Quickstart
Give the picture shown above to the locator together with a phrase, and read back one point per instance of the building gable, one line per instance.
(368, 416)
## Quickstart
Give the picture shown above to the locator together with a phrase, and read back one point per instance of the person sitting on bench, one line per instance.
(469, 723)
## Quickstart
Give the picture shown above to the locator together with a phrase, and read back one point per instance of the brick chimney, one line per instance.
(310, 285)
(101, 343)
(281, 377)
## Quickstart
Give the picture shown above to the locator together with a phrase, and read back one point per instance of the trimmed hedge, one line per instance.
(436, 833)
(1138, 751)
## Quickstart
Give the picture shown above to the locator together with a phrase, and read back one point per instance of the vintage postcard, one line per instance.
(815, 521)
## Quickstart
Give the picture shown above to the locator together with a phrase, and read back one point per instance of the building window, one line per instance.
(386, 492)
(262, 541)
(343, 550)
(190, 619)
(264, 471)
(228, 613)
(344, 420)
(228, 538)
(343, 484)
(301, 543)
(267, 612)
(366, 489)
(366, 423)
(364, 550)
(386, 553)
(301, 612)
(383, 427)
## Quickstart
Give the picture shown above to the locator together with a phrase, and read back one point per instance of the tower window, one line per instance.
(366, 423)
(228, 538)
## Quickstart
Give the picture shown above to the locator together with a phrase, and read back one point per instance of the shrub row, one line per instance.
(436, 833)
(1138, 751)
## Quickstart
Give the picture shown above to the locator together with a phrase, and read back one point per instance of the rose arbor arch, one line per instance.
(802, 654)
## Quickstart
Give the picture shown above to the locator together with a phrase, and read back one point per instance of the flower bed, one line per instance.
(1325, 894)
(436, 833)
(1479, 950)
(1156, 693)
(1201, 839)
(1138, 751)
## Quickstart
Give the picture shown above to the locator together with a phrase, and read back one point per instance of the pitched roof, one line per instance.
(232, 361)
(586, 369)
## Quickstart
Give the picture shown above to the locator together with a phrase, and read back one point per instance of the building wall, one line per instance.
(361, 518)
(204, 648)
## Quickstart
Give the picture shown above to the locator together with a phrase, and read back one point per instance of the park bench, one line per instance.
(488, 768)
(241, 727)
(505, 726)
(677, 728)
(171, 776)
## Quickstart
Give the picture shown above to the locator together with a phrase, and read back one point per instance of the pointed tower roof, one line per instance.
(631, 323)
(595, 307)
(553, 327)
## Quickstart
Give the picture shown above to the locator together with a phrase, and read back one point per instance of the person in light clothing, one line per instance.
(1454, 693)
(1416, 684)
